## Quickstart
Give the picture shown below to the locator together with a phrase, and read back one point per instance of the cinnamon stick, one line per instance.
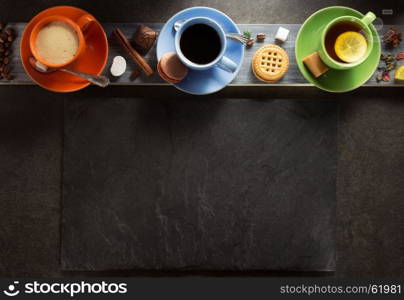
(136, 57)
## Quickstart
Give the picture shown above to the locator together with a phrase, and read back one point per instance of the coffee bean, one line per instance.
(9, 31)
(9, 77)
(250, 42)
(7, 37)
(260, 37)
(3, 38)
(6, 70)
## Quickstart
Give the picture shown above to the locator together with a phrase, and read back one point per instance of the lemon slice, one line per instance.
(399, 75)
(350, 46)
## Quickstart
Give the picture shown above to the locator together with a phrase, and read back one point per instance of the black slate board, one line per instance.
(197, 184)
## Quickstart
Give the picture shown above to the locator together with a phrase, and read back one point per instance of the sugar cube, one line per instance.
(282, 34)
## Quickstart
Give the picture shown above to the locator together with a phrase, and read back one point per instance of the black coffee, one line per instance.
(200, 43)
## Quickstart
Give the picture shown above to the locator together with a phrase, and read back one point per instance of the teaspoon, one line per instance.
(99, 80)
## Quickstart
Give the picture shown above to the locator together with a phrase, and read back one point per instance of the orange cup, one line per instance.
(79, 26)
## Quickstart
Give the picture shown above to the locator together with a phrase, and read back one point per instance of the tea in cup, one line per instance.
(346, 41)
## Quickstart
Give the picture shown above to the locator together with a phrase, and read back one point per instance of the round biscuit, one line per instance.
(270, 63)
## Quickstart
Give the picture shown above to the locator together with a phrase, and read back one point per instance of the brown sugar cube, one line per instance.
(314, 63)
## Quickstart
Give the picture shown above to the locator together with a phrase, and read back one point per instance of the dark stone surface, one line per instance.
(371, 187)
(30, 176)
(156, 11)
(199, 184)
(369, 232)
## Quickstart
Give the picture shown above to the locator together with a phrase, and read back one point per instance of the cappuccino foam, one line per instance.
(57, 42)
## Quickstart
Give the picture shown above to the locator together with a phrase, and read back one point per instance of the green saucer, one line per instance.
(308, 41)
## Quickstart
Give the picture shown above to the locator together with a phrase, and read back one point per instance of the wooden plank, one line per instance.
(244, 78)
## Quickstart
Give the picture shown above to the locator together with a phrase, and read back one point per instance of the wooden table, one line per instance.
(245, 77)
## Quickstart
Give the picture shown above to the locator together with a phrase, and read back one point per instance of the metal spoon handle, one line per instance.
(237, 37)
(99, 80)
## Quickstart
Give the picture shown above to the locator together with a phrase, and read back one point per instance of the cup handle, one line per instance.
(368, 18)
(84, 21)
(227, 64)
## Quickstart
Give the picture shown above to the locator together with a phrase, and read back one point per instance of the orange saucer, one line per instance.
(92, 61)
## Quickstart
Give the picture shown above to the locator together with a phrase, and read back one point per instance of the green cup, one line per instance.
(363, 24)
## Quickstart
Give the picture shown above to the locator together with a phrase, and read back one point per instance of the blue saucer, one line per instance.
(213, 79)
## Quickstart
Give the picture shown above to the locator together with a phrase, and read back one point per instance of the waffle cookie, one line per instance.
(270, 63)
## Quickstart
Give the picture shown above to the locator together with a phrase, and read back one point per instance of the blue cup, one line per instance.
(221, 61)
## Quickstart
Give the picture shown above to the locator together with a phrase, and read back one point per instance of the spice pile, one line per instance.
(392, 37)
(389, 64)
(7, 37)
